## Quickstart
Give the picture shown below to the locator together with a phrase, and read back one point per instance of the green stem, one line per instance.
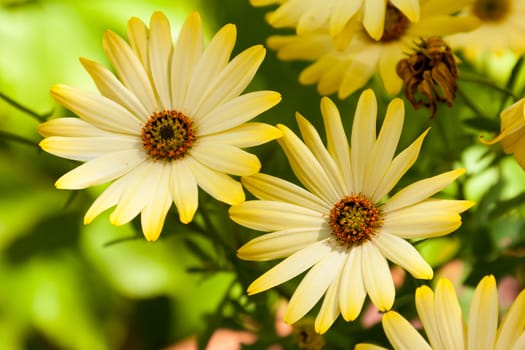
(12, 137)
(204, 338)
(470, 104)
(472, 78)
(40, 118)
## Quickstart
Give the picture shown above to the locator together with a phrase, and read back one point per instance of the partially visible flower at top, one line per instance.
(171, 122)
(502, 28)
(429, 74)
(347, 70)
(512, 135)
(344, 227)
(442, 318)
(307, 16)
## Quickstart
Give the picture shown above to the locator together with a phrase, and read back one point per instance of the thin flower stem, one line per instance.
(472, 78)
(470, 104)
(20, 139)
(209, 229)
(40, 117)
(215, 318)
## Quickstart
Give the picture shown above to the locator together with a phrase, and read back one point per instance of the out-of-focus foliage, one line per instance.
(64, 285)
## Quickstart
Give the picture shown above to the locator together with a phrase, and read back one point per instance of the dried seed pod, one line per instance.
(429, 74)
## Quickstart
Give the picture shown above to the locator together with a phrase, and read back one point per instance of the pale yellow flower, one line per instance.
(343, 227)
(170, 122)
(512, 136)
(442, 319)
(347, 70)
(502, 28)
(307, 16)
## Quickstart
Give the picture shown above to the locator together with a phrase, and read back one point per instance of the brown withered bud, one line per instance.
(429, 74)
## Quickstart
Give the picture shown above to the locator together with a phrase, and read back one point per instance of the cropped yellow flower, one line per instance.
(501, 28)
(170, 122)
(344, 226)
(512, 136)
(346, 70)
(307, 16)
(441, 316)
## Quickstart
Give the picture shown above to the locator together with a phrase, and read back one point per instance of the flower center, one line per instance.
(354, 219)
(395, 24)
(491, 10)
(167, 135)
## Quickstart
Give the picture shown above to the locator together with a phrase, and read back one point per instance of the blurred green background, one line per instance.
(64, 285)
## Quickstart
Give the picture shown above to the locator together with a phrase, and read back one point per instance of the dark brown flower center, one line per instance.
(354, 219)
(396, 24)
(491, 10)
(168, 135)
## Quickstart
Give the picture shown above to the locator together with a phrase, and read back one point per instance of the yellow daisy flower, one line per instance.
(512, 134)
(442, 319)
(502, 28)
(344, 227)
(345, 71)
(171, 122)
(307, 16)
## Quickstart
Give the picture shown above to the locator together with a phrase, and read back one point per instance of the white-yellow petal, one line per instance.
(138, 36)
(449, 316)
(401, 334)
(376, 276)
(272, 188)
(112, 88)
(225, 158)
(314, 285)
(160, 48)
(88, 148)
(513, 325)
(427, 314)
(219, 185)
(314, 142)
(186, 55)
(384, 148)
(97, 110)
(154, 212)
(374, 17)
(213, 59)
(244, 135)
(290, 267)
(265, 215)
(306, 167)
(399, 166)
(184, 190)
(282, 243)
(483, 315)
(107, 199)
(403, 254)
(337, 142)
(129, 69)
(410, 8)
(330, 307)
(353, 293)
(419, 225)
(421, 190)
(236, 111)
(136, 194)
(230, 82)
(102, 169)
(70, 127)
